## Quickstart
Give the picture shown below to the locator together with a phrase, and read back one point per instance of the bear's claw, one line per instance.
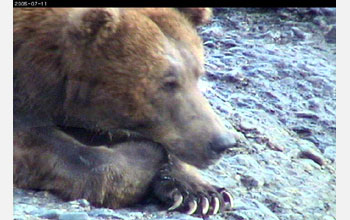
(216, 205)
(192, 207)
(206, 206)
(178, 201)
(227, 198)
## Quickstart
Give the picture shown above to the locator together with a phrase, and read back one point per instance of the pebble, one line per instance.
(330, 153)
(127, 213)
(248, 125)
(25, 208)
(252, 181)
(249, 54)
(316, 11)
(309, 165)
(180, 217)
(83, 202)
(302, 131)
(50, 214)
(298, 33)
(224, 108)
(248, 209)
(320, 22)
(246, 161)
(234, 77)
(307, 115)
(283, 15)
(315, 104)
(327, 217)
(74, 216)
(331, 36)
(313, 155)
(229, 43)
(102, 212)
(329, 11)
(210, 44)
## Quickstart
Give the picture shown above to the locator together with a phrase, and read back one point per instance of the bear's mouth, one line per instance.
(100, 137)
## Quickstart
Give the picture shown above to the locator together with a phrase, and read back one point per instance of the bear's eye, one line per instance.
(171, 85)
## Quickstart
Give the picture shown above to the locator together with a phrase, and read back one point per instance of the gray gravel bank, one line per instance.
(271, 76)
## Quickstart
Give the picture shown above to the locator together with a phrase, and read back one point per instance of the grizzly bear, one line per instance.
(106, 107)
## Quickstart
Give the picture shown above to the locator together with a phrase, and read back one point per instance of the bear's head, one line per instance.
(137, 70)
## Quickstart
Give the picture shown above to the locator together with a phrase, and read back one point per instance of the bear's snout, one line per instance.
(222, 142)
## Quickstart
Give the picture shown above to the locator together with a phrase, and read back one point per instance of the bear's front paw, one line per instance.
(183, 190)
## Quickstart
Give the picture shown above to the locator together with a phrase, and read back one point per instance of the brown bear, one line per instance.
(106, 107)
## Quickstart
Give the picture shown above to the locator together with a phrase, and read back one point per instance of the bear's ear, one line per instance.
(197, 16)
(90, 23)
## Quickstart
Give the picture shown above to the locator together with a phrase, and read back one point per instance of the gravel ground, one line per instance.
(271, 74)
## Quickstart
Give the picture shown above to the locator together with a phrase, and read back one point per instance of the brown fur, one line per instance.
(126, 74)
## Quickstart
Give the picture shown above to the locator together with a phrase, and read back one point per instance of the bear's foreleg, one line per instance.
(48, 159)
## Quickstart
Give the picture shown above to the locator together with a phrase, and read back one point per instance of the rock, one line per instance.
(248, 125)
(228, 60)
(43, 194)
(116, 214)
(83, 202)
(103, 213)
(50, 214)
(225, 108)
(25, 208)
(212, 75)
(320, 22)
(209, 32)
(316, 11)
(131, 214)
(252, 209)
(307, 115)
(283, 14)
(74, 216)
(274, 145)
(331, 36)
(327, 217)
(313, 155)
(229, 43)
(302, 131)
(234, 77)
(249, 54)
(315, 104)
(252, 181)
(210, 44)
(245, 162)
(328, 11)
(330, 153)
(309, 165)
(180, 217)
(298, 33)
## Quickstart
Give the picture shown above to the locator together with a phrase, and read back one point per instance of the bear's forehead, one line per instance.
(160, 58)
(162, 21)
(152, 44)
(182, 59)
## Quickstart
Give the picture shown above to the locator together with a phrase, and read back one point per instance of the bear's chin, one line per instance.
(201, 160)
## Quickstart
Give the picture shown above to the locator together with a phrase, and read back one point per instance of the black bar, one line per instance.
(193, 3)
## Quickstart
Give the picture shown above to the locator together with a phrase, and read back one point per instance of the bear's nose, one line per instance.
(222, 142)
